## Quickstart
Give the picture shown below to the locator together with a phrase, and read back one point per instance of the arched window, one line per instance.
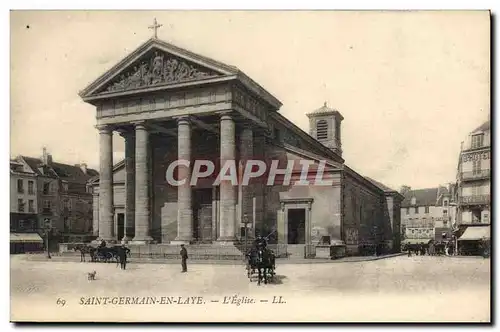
(322, 130)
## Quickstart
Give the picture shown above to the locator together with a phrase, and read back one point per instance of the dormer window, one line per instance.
(322, 130)
(413, 200)
(477, 141)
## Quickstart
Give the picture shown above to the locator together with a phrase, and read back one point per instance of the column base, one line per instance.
(141, 240)
(108, 241)
(179, 242)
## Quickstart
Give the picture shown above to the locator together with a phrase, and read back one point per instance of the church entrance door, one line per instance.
(202, 215)
(296, 226)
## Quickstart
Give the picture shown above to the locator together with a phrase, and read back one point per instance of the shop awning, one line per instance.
(416, 241)
(475, 233)
(25, 237)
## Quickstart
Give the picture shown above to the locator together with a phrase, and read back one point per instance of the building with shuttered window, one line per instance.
(428, 214)
(474, 190)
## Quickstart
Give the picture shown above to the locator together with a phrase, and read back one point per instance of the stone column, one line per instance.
(308, 230)
(95, 215)
(142, 197)
(227, 190)
(245, 193)
(259, 188)
(129, 226)
(184, 202)
(106, 184)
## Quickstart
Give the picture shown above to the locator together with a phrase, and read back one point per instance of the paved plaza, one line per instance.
(393, 289)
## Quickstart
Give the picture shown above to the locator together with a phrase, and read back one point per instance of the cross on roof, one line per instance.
(155, 27)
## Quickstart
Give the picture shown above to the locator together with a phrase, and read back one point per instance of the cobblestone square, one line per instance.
(394, 289)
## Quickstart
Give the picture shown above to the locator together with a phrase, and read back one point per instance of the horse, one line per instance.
(85, 249)
(262, 260)
(251, 262)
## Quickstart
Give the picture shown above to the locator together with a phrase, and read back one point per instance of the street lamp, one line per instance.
(47, 228)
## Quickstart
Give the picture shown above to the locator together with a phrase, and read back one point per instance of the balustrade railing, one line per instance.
(479, 174)
(475, 199)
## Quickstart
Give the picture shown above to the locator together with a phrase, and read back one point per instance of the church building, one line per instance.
(170, 104)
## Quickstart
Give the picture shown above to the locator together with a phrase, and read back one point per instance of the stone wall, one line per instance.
(325, 214)
(363, 220)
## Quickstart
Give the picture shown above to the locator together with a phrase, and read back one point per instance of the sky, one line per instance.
(410, 85)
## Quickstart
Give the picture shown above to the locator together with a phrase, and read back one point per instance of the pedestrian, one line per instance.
(451, 248)
(122, 254)
(431, 249)
(184, 257)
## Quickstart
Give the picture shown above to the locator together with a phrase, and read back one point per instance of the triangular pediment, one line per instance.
(155, 64)
(157, 68)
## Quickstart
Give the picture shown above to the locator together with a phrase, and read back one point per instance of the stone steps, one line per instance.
(295, 250)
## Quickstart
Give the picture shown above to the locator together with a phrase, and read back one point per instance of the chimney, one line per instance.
(46, 157)
(404, 190)
(83, 167)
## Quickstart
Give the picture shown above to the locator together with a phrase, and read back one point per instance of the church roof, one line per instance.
(380, 185)
(324, 110)
(95, 179)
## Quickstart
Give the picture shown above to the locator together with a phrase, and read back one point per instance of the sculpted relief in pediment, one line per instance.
(158, 68)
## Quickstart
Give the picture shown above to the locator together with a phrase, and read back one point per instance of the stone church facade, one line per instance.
(170, 104)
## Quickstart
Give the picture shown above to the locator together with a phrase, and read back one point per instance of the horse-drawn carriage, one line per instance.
(261, 262)
(105, 255)
(102, 253)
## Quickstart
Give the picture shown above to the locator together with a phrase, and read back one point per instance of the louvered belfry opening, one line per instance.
(321, 130)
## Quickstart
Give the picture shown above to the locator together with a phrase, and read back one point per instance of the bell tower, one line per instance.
(324, 126)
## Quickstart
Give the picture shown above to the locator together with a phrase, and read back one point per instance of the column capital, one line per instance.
(183, 119)
(104, 129)
(226, 115)
(140, 125)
